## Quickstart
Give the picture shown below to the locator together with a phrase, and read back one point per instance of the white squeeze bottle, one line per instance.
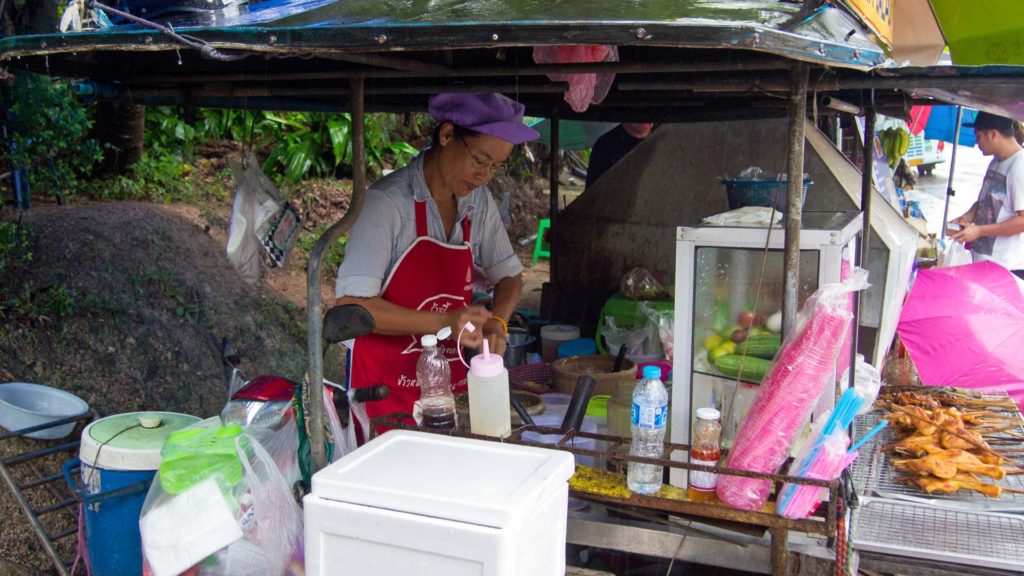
(488, 395)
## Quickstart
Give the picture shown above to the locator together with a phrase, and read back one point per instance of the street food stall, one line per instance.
(724, 70)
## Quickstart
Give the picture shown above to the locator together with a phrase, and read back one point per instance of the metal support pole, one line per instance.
(866, 182)
(794, 194)
(780, 551)
(556, 169)
(314, 401)
(952, 168)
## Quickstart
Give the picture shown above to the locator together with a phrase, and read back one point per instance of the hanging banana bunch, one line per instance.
(895, 142)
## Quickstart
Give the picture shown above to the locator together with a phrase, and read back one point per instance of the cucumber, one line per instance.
(754, 369)
(762, 346)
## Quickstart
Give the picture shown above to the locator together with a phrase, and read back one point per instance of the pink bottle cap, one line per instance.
(485, 364)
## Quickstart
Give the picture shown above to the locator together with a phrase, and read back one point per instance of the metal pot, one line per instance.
(519, 342)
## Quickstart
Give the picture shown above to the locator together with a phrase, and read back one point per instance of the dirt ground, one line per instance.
(153, 295)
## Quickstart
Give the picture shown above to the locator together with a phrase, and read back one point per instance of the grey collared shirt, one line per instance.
(387, 227)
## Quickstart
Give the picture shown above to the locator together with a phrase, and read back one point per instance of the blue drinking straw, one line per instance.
(878, 428)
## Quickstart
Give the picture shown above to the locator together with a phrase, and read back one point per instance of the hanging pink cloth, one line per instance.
(584, 89)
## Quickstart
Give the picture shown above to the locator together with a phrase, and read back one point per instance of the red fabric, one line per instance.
(584, 89)
(919, 118)
(430, 275)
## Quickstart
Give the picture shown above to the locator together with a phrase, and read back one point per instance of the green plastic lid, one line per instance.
(598, 406)
(130, 441)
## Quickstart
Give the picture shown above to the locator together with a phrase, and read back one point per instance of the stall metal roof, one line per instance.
(678, 59)
(301, 54)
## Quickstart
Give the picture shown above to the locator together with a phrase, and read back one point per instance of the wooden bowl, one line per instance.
(567, 372)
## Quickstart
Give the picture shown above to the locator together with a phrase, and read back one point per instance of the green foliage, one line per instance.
(46, 130)
(163, 283)
(156, 177)
(168, 133)
(332, 256)
(301, 144)
(14, 248)
(20, 298)
(379, 145)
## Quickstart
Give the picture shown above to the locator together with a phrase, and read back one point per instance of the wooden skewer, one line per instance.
(953, 432)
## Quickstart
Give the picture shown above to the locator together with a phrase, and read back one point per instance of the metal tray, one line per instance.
(933, 533)
(873, 474)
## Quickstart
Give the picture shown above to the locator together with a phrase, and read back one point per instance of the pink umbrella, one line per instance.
(964, 326)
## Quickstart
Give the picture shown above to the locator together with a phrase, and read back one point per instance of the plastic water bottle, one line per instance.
(650, 411)
(435, 379)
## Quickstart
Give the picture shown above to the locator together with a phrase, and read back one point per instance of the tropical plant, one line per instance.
(46, 133)
(168, 133)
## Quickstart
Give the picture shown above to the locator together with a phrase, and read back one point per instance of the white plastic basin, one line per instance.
(23, 405)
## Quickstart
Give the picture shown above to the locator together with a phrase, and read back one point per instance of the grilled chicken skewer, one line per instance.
(948, 463)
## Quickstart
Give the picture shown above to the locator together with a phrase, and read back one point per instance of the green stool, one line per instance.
(540, 247)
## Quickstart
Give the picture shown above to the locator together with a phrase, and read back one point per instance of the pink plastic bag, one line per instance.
(584, 89)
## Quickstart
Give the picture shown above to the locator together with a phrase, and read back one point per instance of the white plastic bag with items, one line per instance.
(219, 504)
(256, 201)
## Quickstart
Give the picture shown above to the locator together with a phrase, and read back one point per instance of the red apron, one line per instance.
(430, 275)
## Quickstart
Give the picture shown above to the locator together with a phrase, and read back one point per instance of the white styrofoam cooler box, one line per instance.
(421, 504)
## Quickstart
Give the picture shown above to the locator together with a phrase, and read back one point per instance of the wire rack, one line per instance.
(924, 531)
(873, 474)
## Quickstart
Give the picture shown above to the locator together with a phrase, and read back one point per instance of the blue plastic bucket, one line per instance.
(577, 347)
(117, 461)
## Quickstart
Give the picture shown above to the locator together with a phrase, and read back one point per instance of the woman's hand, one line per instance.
(494, 331)
(475, 314)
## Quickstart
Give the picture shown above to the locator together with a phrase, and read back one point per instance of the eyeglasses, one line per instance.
(492, 168)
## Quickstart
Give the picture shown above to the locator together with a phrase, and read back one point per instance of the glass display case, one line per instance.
(729, 284)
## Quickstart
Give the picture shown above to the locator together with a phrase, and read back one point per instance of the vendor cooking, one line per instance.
(422, 233)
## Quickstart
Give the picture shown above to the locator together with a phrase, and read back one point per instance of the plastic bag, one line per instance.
(261, 220)
(867, 384)
(758, 174)
(789, 392)
(954, 254)
(821, 460)
(584, 89)
(279, 233)
(220, 504)
(640, 284)
(664, 322)
(746, 216)
(641, 340)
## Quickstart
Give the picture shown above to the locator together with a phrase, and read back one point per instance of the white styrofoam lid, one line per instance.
(460, 479)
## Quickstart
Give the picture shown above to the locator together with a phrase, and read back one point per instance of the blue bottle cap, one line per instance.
(652, 373)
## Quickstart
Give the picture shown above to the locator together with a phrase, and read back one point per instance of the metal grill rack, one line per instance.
(873, 474)
(933, 533)
(45, 498)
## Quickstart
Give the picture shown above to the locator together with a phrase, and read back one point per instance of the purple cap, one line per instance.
(493, 114)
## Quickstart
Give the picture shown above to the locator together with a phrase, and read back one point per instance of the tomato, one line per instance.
(748, 319)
